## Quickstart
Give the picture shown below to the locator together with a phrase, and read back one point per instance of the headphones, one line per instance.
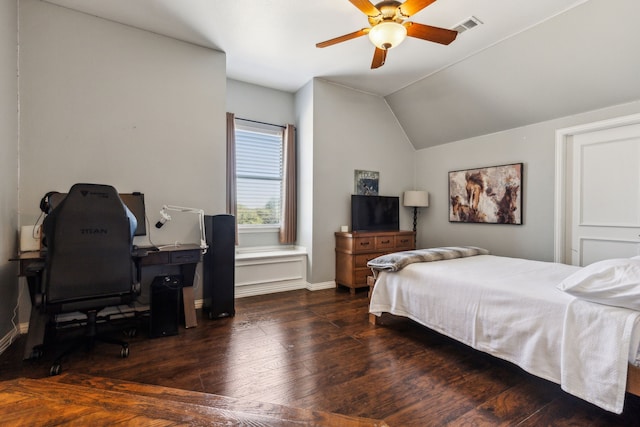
(45, 205)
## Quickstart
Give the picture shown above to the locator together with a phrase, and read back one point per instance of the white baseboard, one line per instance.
(320, 286)
(269, 288)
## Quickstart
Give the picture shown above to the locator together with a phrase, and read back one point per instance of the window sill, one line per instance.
(271, 252)
(258, 229)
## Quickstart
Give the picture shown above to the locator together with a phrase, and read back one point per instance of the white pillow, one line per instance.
(612, 282)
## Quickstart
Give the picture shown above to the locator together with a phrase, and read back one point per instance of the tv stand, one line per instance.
(355, 249)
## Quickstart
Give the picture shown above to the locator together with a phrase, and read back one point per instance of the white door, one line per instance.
(605, 209)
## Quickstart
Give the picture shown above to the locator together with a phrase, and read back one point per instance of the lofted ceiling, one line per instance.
(272, 43)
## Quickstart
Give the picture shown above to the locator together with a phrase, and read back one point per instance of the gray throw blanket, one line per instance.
(398, 260)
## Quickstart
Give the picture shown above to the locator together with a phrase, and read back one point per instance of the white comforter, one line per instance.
(511, 308)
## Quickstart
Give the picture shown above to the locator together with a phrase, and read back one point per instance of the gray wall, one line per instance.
(252, 102)
(103, 102)
(8, 162)
(260, 103)
(532, 145)
(351, 130)
(581, 60)
(304, 120)
(339, 130)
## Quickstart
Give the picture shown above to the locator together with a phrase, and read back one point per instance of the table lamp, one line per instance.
(416, 199)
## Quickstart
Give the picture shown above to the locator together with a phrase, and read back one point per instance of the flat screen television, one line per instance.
(375, 213)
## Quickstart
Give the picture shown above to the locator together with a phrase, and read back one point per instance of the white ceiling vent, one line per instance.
(467, 24)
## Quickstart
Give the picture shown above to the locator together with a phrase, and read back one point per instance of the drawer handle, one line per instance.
(404, 241)
(386, 241)
(364, 243)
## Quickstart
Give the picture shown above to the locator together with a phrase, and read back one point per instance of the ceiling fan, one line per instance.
(389, 27)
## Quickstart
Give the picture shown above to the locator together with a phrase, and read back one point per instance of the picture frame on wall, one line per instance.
(366, 182)
(490, 195)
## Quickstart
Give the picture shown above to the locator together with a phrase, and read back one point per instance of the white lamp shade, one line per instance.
(386, 35)
(416, 199)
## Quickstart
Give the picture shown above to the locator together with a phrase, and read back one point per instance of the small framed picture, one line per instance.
(366, 183)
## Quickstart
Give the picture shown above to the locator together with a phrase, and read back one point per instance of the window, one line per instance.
(258, 174)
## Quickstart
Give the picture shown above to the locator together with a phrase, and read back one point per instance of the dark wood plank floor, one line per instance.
(80, 400)
(316, 350)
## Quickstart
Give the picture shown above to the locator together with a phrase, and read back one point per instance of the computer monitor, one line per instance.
(134, 201)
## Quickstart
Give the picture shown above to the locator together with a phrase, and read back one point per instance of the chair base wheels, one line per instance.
(36, 353)
(56, 368)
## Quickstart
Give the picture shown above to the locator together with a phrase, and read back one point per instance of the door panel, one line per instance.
(605, 195)
(592, 248)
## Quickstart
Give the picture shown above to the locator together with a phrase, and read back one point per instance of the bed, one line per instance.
(553, 320)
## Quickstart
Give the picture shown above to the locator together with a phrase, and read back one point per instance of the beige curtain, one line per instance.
(232, 204)
(289, 216)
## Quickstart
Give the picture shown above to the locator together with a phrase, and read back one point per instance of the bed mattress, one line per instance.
(507, 307)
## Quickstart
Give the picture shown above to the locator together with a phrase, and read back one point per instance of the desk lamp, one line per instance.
(164, 217)
(415, 200)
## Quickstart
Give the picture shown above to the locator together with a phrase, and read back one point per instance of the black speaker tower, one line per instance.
(219, 266)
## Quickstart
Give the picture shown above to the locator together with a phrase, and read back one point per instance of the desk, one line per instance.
(186, 257)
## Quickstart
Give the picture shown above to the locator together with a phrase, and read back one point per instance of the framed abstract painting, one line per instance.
(490, 195)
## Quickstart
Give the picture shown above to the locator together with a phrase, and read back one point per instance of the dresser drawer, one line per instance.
(404, 242)
(362, 260)
(363, 244)
(385, 242)
(361, 277)
(355, 249)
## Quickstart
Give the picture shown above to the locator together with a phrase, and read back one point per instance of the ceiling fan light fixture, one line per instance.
(387, 35)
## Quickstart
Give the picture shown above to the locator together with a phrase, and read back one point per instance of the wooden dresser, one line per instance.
(355, 249)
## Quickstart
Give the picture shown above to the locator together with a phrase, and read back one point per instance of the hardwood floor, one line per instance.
(80, 400)
(317, 351)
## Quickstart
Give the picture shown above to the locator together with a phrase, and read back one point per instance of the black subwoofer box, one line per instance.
(165, 306)
(218, 266)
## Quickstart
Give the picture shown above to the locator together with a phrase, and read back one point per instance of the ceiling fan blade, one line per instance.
(344, 38)
(429, 33)
(411, 7)
(366, 7)
(379, 56)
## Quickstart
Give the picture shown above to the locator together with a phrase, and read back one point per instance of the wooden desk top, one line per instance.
(139, 252)
(165, 255)
(142, 251)
(27, 255)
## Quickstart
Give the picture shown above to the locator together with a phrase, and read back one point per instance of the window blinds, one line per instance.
(259, 174)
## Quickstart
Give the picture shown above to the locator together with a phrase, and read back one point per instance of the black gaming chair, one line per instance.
(88, 264)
